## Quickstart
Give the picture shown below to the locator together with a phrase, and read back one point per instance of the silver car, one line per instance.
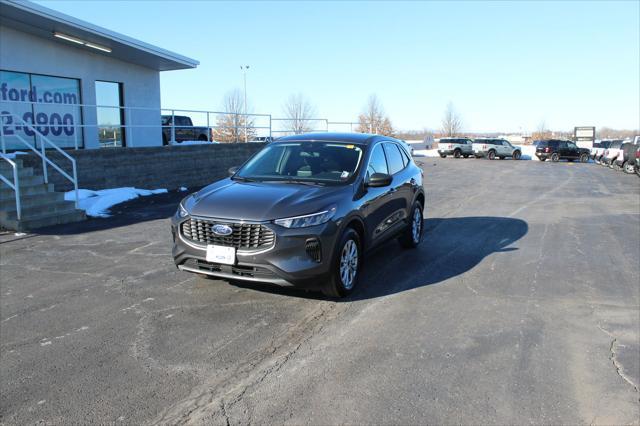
(458, 147)
(495, 148)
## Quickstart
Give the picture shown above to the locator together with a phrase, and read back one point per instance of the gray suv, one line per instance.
(302, 212)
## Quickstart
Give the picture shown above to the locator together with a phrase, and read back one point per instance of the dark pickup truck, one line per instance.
(184, 130)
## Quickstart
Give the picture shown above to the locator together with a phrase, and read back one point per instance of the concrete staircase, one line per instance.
(41, 205)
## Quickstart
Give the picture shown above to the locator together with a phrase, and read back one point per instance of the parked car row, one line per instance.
(619, 155)
(479, 148)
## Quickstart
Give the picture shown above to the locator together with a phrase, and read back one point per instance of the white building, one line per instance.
(79, 82)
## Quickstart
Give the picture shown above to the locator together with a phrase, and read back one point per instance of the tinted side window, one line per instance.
(394, 158)
(377, 162)
(182, 121)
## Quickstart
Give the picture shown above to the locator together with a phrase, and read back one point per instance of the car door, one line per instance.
(183, 131)
(572, 150)
(378, 204)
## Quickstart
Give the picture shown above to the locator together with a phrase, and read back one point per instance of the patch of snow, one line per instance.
(426, 153)
(182, 188)
(528, 152)
(15, 154)
(98, 203)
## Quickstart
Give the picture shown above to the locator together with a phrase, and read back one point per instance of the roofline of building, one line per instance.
(84, 27)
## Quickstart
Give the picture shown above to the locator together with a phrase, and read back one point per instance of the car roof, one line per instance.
(356, 138)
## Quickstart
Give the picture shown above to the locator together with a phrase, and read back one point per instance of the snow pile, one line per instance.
(426, 153)
(15, 154)
(98, 203)
(528, 152)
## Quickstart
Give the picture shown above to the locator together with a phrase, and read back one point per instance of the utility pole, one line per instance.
(244, 71)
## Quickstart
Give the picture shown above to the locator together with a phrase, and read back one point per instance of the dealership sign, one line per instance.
(48, 104)
(584, 136)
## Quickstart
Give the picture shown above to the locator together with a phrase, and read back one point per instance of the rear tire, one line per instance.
(412, 235)
(517, 155)
(491, 155)
(345, 268)
(456, 153)
(543, 159)
(443, 155)
(555, 157)
(616, 167)
(628, 167)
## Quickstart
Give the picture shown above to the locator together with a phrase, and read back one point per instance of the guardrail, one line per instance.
(236, 126)
(15, 185)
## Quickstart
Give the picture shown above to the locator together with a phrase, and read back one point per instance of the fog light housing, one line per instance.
(314, 250)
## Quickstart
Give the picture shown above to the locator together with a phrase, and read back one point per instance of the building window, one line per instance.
(110, 114)
(50, 104)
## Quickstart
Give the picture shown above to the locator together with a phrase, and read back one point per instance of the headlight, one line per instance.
(307, 220)
(182, 212)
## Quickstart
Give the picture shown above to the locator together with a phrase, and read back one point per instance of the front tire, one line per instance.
(465, 155)
(584, 158)
(412, 235)
(443, 155)
(346, 265)
(517, 155)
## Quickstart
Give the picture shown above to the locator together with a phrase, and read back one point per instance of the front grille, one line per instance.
(245, 236)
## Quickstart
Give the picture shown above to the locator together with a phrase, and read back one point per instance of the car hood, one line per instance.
(261, 201)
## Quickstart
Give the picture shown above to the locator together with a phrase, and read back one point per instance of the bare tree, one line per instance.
(230, 126)
(451, 122)
(374, 120)
(298, 112)
(541, 132)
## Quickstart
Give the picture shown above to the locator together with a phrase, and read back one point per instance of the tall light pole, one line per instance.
(244, 69)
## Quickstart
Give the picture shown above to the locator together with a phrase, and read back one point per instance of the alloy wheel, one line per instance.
(416, 226)
(349, 264)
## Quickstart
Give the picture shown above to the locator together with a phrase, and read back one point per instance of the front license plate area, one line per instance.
(221, 254)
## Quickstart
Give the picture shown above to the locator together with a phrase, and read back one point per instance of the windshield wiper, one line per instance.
(304, 182)
(242, 179)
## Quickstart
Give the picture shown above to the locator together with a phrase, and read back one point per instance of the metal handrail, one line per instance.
(15, 185)
(42, 153)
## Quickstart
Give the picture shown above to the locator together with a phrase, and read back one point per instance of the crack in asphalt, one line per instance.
(216, 397)
(614, 359)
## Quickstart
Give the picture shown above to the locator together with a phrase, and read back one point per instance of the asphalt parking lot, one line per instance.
(521, 306)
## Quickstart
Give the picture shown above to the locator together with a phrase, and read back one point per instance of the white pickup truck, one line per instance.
(492, 148)
(458, 147)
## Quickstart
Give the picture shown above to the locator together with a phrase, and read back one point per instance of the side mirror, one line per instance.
(378, 180)
(233, 170)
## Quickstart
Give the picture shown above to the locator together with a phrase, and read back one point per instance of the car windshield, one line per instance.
(315, 162)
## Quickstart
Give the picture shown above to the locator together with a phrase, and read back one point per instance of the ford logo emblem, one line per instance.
(222, 230)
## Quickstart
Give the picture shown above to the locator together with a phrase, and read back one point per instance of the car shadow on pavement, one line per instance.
(142, 209)
(451, 247)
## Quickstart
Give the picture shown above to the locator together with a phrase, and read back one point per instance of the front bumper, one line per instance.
(286, 263)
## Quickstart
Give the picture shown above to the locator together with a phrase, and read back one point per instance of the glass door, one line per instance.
(110, 114)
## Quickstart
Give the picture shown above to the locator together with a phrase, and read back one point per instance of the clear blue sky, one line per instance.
(504, 65)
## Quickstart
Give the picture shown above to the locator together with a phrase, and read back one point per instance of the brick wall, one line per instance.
(155, 167)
